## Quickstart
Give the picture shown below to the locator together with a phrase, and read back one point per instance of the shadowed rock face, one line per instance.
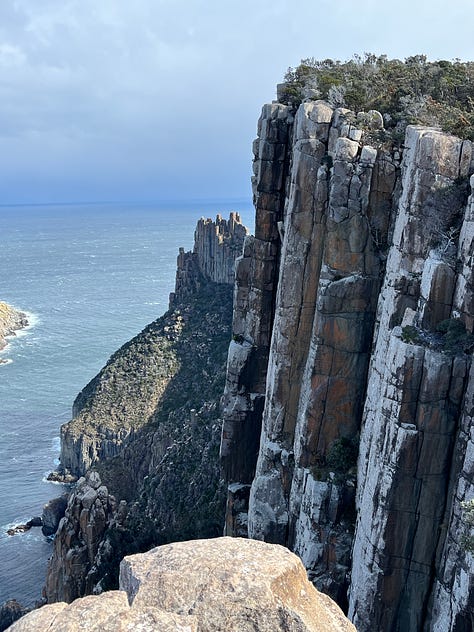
(374, 243)
(10, 612)
(213, 585)
(254, 299)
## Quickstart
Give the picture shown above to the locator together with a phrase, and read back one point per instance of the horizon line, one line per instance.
(129, 202)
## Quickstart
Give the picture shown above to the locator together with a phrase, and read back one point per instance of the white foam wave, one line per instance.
(33, 320)
(48, 482)
(14, 523)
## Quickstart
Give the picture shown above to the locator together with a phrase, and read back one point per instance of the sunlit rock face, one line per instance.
(347, 413)
(413, 409)
(212, 585)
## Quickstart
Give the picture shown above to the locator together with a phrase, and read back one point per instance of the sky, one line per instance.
(149, 100)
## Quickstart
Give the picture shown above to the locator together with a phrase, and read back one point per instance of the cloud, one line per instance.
(160, 97)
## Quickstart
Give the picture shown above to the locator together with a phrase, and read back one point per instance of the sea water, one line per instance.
(90, 278)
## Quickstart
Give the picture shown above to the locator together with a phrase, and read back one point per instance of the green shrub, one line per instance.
(410, 334)
(414, 91)
(342, 455)
(455, 338)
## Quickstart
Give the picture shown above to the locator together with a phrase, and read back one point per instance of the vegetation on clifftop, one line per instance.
(414, 91)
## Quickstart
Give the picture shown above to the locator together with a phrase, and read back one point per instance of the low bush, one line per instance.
(455, 339)
(410, 334)
(414, 91)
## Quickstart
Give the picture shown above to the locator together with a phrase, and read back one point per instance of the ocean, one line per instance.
(90, 277)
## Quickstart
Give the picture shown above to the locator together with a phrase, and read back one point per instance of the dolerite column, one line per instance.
(300, 268)
(451, 606)
(254, 298)
(413, 405)
(320, 349)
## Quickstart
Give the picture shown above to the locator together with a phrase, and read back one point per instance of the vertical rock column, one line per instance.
(300, 268)
(217, 244)
(254, 298)
(322, 510)
(324, 317)
(452, 601)
(412, 407)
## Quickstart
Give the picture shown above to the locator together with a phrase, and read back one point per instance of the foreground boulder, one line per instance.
(207, 585)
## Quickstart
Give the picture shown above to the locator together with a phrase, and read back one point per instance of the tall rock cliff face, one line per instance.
(149, 424)
(413, 407)
(347, 430)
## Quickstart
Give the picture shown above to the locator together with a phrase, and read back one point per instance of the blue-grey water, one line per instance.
(90, 277)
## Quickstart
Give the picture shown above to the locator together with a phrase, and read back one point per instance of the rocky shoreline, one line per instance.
(11, 320)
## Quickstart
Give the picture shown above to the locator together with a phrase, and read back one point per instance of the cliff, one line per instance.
(347, 431)
(10, 321)
(149, 424)
(213, 585)
(347, 411)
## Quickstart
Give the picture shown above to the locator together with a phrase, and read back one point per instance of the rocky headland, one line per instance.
(11, 320)
(144, 440)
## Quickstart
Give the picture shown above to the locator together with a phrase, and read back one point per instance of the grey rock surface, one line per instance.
(53, 512)
(206, 585)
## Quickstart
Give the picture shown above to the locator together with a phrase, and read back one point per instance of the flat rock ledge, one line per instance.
(224, 584)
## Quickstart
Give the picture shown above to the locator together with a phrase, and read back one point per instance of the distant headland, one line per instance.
(11, 320)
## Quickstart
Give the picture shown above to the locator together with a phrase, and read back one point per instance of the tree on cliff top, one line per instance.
(414, 91)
